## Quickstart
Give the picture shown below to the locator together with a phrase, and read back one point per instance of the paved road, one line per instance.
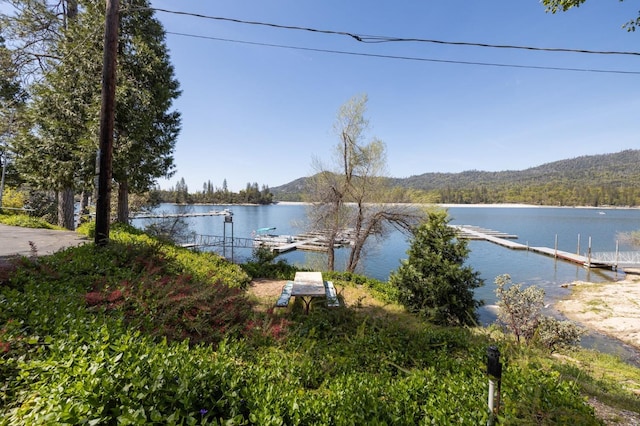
(14, 240)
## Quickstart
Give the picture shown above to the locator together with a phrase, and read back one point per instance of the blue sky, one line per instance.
(253, 113)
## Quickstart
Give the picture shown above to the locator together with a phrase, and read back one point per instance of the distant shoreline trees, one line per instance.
(252, 194)
(594, 180)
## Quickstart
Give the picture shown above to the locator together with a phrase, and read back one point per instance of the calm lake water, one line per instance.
(573, 227)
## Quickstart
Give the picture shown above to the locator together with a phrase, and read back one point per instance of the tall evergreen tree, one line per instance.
(433, 281)
(53, 151)
(62, 129)
(12, 97)
(146, 128)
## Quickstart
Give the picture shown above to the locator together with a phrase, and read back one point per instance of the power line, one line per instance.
(406, 58)
(386, 39)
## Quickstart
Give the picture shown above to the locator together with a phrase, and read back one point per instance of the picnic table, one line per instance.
(307, 286)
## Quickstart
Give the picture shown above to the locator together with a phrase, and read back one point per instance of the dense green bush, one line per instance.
(263, 264)
(382, 290)
(554, 334)
(433, 281)
(26, 221)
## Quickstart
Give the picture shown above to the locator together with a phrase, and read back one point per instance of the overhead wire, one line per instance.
(406, 58)
(363, 38)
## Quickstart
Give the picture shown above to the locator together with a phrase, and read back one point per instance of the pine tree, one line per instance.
(55, 150)
(59, 141)
(146, 127)
(433, 281)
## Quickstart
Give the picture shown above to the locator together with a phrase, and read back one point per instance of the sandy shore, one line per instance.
(609, 308)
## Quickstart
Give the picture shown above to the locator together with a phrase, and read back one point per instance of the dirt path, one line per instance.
(262, 287)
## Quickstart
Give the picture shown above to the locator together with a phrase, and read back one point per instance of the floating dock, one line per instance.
(496, 237)
(309, 241)
(225, 212)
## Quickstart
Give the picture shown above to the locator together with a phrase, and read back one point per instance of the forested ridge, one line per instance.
(593, 180)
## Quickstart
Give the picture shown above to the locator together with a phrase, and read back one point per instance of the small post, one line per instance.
(617, 256)
(494, 370)
(589, 254)
(578, 251)
(224, 240)
(229, 219)
(555, 252)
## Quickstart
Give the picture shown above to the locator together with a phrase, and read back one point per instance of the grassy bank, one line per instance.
(142, 332)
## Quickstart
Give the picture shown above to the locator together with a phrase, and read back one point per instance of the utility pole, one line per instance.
(107, 112)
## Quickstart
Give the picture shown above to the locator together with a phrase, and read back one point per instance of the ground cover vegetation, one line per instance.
(141, 332)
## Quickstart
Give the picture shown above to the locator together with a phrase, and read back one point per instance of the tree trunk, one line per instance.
(359, 240)
(123, 203)
(331, 251)
(84, 207)
(66, 209)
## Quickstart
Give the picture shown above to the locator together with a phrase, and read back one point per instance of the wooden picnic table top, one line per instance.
(308, 284)
(308, 277)
(303, 289)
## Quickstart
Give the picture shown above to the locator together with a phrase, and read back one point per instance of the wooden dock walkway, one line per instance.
(175, 215)
(307, 241)
(496, 237)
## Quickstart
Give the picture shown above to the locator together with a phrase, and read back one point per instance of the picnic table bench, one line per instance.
(306, 286)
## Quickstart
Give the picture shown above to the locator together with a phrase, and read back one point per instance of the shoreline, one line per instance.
(502, 205)
(445, 205)
(609, 308)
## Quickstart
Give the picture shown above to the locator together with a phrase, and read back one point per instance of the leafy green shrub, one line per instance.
(87, 228)
(26, 221)
(520, 311)
(263, 265)
(12, 199)
(554, 334)
(123, 377)
(380, 289)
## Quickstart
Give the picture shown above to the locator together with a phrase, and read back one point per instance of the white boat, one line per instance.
(264, 236)
(224, 212)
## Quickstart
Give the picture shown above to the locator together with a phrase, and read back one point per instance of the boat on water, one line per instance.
(265, 236)
(223, 212)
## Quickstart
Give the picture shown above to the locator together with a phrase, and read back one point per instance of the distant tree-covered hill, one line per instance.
(594, 180)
